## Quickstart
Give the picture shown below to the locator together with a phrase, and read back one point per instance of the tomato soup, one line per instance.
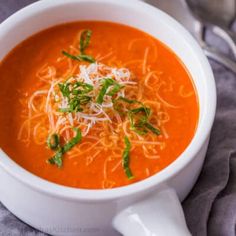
(95, 105)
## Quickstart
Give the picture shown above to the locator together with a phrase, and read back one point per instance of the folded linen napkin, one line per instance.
(210, 208)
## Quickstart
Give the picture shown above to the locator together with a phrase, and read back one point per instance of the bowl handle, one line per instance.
(160, 214)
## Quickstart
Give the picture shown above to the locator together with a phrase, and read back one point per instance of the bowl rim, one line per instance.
(161, 177)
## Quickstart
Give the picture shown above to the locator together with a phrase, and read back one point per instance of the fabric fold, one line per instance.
(209, 207)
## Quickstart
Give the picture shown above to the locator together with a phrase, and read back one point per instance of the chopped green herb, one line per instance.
(137, 127)
(79, 57)
(143, 108)
(116, 88)
(57, 158)
(127, 100)
(152, 128)
(131, 119)
(138, 116)
(76, 102)
(140, 131)
(53, 141)
(141, 125)
(128, 173)
(117, 106)
(86, 58)
(73, 57)
(85, 40)
(64, 110)
(84, 99)
(75, 106)
(73, 141)
(107, 82)
(87, 87)
(126, 158)
(64, 88)
(76, 94)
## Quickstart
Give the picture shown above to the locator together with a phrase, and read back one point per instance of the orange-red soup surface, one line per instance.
(159, 81)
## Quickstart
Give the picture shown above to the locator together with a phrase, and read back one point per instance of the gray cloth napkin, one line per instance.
(210, 208)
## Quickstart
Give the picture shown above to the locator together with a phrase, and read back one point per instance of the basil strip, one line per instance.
(138, 122)
(57, 159)
(116, 88)
(86, 88)
(152, 128)
(128, 100)
(84, 43)
(64, 110)
(73, 57)
(144, 109)
(79, 57)
(64, 88)
(107, 82)
(126, 158)
(76, 95)
(86, 58)
(53, 141)
(85, 40)
(73, 141)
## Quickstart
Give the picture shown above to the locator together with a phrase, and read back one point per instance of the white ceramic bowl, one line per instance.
(149, 207)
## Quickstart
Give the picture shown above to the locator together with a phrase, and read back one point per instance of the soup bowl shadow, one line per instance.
(149, 207)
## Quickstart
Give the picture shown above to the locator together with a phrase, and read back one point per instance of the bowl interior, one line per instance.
(45, 14)
(161, 28)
